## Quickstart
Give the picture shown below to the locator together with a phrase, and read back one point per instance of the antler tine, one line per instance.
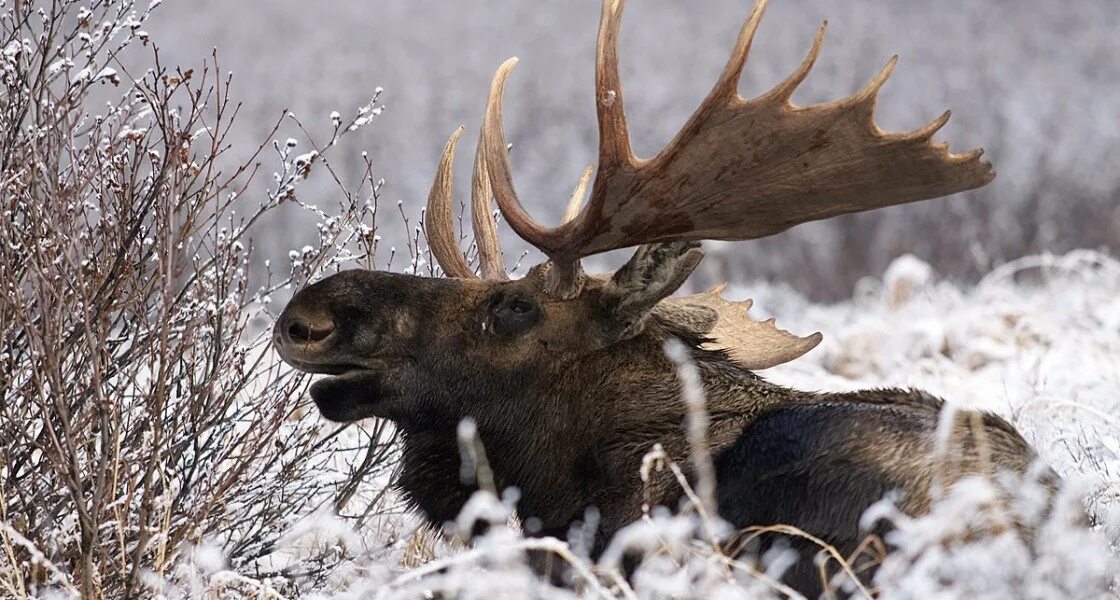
(497, 161)
(727, 87)
(564, 276)
(482, 219)
(926, 131)
(575, 202)
(614, 137)
(784, 90)
(439, 222)
(865, 99)
(871, 90)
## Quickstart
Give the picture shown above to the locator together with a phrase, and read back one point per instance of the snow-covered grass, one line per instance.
(1037, 341)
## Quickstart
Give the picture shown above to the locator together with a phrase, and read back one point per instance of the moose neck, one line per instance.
(574, 436)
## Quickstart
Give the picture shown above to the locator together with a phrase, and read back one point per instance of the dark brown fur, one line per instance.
(567, 407)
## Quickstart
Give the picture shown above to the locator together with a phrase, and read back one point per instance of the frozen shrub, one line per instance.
(143, 414)
(904, 278)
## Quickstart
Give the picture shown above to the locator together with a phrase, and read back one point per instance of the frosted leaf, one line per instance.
(58, 65)
(904, 279)
(13, 49)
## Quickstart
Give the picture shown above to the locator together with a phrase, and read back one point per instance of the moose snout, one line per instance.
(301, 329)
(305, 332)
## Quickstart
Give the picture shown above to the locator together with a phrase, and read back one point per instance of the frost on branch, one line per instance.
(151, 443)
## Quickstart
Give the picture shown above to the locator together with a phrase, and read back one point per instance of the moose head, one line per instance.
(563, 371)
(397, 345)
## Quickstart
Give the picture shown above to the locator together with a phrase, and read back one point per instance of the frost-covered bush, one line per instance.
(144, 421)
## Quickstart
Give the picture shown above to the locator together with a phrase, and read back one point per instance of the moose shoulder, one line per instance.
(565, 373)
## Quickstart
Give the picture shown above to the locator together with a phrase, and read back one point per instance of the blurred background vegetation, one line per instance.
(1034, 82)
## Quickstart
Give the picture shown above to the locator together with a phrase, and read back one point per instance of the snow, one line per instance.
(1036, 341)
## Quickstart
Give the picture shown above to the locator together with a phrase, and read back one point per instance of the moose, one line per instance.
(565, 373)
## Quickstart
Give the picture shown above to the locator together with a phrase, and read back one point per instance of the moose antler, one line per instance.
(727, 326)
(738, 169)
(657, 270)
(439, 221)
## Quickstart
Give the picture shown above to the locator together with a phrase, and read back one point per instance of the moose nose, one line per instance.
(302, 330)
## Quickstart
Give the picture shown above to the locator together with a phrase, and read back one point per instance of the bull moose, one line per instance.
(565, 373)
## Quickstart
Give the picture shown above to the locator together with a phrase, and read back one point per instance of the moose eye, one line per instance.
(512, 316)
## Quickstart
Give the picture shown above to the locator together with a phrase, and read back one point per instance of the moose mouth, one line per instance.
(335, 369)
(346, 368)
(349, 391)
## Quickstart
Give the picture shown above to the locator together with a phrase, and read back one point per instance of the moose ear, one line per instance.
(652, 274)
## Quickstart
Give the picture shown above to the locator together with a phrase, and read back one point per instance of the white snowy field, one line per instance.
(1036, 341)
